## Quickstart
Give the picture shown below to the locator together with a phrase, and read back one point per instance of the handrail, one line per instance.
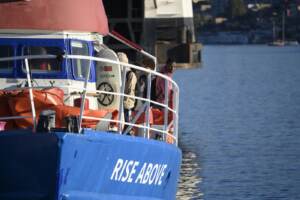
(93, 59)
(99, 92)
(30, 95)
(148, 92)
(123, 64)
(135, 125)
(88, 92)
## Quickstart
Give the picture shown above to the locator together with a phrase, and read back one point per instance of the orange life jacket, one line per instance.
(17, 103)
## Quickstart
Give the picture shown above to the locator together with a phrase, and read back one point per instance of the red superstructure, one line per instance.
(54, 15)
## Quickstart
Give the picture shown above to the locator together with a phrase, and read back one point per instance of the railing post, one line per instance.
(30, 95)
(121, 106)
(149, 79)
(176, 114)
(87, 77)
(166, 108)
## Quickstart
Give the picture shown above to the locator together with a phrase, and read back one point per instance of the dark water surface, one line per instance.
(240, 124)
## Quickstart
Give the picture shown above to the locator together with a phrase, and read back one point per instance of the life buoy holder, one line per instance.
(105, 99)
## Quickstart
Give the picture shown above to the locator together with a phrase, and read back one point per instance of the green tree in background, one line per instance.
(236, 8)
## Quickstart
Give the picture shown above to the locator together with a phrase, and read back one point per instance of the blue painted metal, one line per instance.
(64, 166)
(90, 166)
(64, 44)
(28, 166)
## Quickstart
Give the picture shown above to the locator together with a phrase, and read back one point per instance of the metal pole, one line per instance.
(121, 105)
(283, 27)
(176, 115)
(148, 104)
(274, 30)
(84, 96)
(155, 4)
(166, 108)
(30, 95)
(155, 63)
(136, 117)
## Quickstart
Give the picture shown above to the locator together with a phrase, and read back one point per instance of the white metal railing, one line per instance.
(169, 129)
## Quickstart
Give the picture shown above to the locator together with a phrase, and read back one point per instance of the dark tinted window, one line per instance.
(43, 64)
(80, 65)
(6, 51)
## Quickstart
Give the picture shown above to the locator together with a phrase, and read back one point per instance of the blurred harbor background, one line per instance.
(240, 124)
(247, 21)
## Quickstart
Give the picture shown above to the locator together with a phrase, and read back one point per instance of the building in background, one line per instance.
(260, 21)
(162, 27)
(202, 13)
(219, 7)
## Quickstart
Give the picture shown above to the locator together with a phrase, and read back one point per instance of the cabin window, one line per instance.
(43, 64)
(80, 65)
(6, 51)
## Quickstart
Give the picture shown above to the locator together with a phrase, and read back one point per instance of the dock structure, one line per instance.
(164, 28)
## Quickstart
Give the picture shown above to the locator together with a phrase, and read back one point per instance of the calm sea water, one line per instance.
(240, 124)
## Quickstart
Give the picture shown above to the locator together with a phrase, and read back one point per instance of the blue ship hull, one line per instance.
(91, 166)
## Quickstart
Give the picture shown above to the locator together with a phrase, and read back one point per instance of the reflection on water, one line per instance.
(188, 188)
(240, 123)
